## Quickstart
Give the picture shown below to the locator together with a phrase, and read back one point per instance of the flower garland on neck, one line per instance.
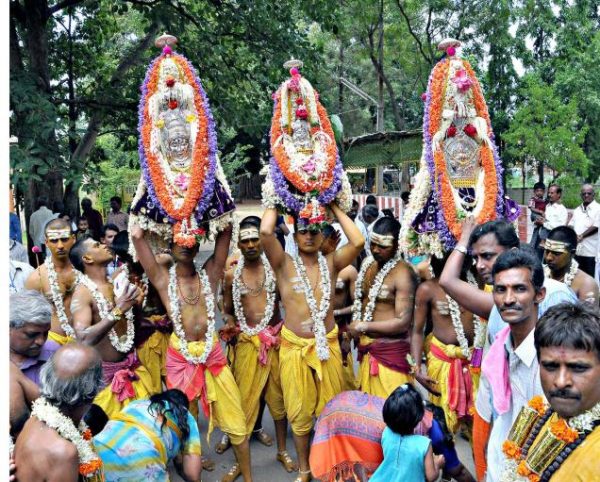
(569, 276)
(90, 465)
(319, 314)
(236, 290)
(104, 307)
(357, 313)
(561, 437)
(57, 296)
(209, 300)
(459, 329)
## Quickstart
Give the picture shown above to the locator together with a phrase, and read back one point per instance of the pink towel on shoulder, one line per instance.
(495, 369)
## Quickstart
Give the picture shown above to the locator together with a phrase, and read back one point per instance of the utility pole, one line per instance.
(380, 104)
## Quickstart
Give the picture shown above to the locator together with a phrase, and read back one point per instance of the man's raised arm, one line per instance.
(144, 253)
(468, 296)
(216, 263)
(347, 253)
(269, 241)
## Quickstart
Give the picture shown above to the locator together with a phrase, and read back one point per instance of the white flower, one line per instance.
(51, 416)
(319, 314)
(238, 308)
(367, 316)
(104, 308)
(585, 422)
(209, 300)
(57, 296)
(569, 277)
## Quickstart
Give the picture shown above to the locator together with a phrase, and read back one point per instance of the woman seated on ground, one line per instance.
(347, 441)
(139, 442)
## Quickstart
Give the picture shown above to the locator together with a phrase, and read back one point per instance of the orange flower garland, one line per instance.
(446, 197)
(537, 404)
(563, 432)
(511, 449)
(200, 160)
(283, 160)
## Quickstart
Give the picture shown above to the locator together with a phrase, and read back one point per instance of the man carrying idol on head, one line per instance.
(182, 199)
(305, 177)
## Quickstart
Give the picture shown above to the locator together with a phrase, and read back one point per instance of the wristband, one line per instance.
(461, 249)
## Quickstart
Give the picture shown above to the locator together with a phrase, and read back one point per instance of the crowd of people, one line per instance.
(114, 356)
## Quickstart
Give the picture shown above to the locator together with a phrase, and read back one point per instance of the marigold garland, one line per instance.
(563, 432)
(283, 160)
(537, 404)
(511, 449)
(444, 188)
(201, 154)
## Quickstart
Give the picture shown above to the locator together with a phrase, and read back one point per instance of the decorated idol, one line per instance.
(305, 167)
(461, 172)
(182, 192)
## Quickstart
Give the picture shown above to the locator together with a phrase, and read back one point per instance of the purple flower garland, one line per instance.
(282, 187)
(209, 180)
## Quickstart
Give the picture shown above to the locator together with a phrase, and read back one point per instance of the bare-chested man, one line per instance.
(310, 358)
(56, 279)
(559, 256)
(447, 377)
(342, 305)
(384, 324)
(104, 319)
(195, 360)
(69, 382)
(251, 304)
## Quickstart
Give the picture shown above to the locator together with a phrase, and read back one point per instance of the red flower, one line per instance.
(301, 113)
(470, 130)
(170, 81)
(299, 101)
(451, 131)
(424, 96)
(173, 104)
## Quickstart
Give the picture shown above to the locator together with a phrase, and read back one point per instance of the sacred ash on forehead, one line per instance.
(54, 234)
(249, 233)
(387, 241)
(557, 246)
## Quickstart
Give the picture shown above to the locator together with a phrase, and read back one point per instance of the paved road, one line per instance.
(265, 468)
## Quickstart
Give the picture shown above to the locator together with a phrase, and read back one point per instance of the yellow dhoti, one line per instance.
(350, 382)
(374, 377)
(60, 339)
(307, 382)
(447, 365)
(125, 381)
(255, 377)
(211, 383)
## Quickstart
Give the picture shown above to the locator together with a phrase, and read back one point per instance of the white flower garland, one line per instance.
(459, 329)
(51, 416)
(568, 277)
(237, 297)
(104, 308)
(209, 300)
(57, 296)
(357, 313)
(319, 314)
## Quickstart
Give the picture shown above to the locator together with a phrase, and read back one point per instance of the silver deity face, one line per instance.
(178, 144)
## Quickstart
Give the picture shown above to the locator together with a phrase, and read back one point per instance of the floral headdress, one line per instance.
(305, 163)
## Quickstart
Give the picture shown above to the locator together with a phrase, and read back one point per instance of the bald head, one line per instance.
(72, 377)
(587, 194)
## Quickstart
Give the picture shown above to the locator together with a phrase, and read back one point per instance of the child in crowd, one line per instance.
(83, 231)
(406, 457)
(537, 206)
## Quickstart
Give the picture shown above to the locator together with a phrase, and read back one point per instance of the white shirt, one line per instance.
(17, 275)
(525, 384)
(37, 223)
(18, 252)
(556, 215)
(582, 219)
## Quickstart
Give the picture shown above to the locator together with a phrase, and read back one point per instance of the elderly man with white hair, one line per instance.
(29, 321)
(55, 445)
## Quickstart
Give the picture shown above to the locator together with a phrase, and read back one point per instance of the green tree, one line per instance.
(545, 130)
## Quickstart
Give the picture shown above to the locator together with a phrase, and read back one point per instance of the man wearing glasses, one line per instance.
(585, 223)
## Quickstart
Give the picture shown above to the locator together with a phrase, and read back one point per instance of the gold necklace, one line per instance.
(190, 300)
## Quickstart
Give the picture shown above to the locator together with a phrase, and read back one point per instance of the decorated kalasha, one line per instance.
(461, 172)
(305, 172)
(183, 194)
